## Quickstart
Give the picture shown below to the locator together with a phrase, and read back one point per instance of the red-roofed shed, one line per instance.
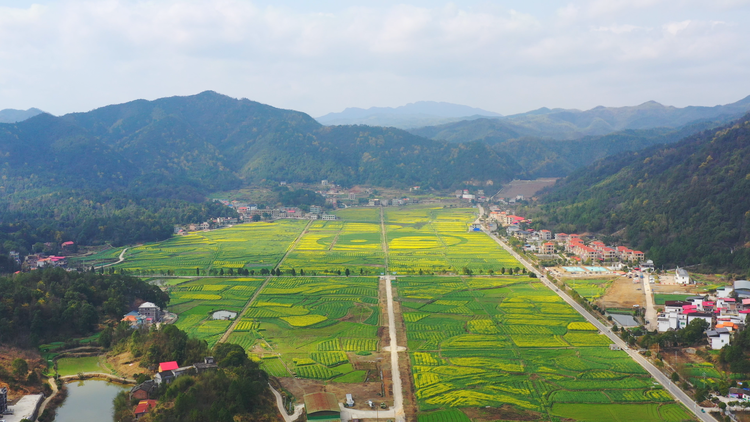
(143, 407)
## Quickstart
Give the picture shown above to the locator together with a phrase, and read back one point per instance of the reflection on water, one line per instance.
(89, 401)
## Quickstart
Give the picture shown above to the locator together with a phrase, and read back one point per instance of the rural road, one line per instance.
(280, 404)
(397, 411)
(650, 309)
(658, 375)
(119, 260)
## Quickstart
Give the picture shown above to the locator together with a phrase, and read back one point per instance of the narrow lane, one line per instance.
(658, 375)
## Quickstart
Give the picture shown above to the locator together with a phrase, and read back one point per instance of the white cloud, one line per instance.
(78, 54)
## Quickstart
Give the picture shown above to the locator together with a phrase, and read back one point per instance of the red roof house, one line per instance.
(143, 407)
(168, 366)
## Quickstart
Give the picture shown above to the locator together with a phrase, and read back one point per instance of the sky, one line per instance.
(323, 56)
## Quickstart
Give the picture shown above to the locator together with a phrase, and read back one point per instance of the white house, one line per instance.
(718, 338)
(681, 276)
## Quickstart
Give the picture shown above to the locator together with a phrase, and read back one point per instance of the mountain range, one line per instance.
(684, 203)
(10, 115)
(562, 124)
(213, 142)
(412, 115)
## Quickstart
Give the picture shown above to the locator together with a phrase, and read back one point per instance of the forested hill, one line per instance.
(212, 142)
(686, 203)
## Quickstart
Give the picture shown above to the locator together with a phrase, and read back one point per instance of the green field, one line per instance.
(329, 247)
(660, 298)
(479, 341)
(589, 288)
(437, 240)
(72, 366)
(313, 325)
(253, 246)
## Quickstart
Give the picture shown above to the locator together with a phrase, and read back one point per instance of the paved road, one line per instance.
(397, 411)
(650, 308)
(280, 404)
(658, 375)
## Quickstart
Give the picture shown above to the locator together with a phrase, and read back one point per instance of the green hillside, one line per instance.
(128, 172)
(683, 204)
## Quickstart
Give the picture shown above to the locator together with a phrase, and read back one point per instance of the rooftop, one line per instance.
(321, 402)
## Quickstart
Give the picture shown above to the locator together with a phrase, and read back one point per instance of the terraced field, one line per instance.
(310, 326)
(252, 246)
(480, 341)
(437, 240)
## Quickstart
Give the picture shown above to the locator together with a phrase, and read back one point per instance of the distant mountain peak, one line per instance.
(10, 115)
(420, 113)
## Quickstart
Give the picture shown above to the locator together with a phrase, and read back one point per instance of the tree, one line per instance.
(256, 218)
(221, 271)
(20, 368)
(302, 272)
(346, 272)
(294, 272)
(502, 270)
(675, 377)
(197, 271)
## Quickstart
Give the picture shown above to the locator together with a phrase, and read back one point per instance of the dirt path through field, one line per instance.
(384, 240)
(119, 260)
(243, 312)
(293, 245)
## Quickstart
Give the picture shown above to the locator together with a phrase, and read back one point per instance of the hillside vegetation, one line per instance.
(127, 173)
(683, 204)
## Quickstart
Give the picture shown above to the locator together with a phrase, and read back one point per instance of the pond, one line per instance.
(89, 401)
(224, 315)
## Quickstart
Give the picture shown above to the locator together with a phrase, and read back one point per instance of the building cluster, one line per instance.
(478, 196)
(32, 262)
(147, 314)
(393, 202)
(725, 312)
(168, 371)
(544, 242)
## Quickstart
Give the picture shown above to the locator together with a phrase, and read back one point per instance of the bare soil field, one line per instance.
(504, 413)
(126, 365)
(623, 293)
(361, 392)
(527, 188)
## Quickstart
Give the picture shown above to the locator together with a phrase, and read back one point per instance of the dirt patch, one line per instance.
(673, 288)
(17, 389)
(527, 188)
(361, 392)
(505, 413)
(623, 293)
(125, 365)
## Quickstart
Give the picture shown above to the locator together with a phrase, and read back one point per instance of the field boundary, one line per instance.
(236, 321)
(292, 246)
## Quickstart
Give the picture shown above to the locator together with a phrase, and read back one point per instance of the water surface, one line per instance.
(89, 401)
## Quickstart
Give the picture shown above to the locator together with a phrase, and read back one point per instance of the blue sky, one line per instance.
(319, 57)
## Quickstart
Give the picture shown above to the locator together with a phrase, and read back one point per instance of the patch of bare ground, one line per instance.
(125, 365)
(527, 188)
(361, 392)
(21, 387)
(503, 413)
(623, 293)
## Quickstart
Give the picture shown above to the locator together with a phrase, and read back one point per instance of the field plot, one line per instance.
(478, 342)
(104, 257)
(589, 288)
(310, 326)
(196, 300)
(330, 247)
(437, 240)
(252, 246)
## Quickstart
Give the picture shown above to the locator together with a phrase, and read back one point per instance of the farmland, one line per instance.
(311, 326)
(590, 289)
(194, 301)
(478, 341)
(437, 240)
(331, 247)
(252, 246)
